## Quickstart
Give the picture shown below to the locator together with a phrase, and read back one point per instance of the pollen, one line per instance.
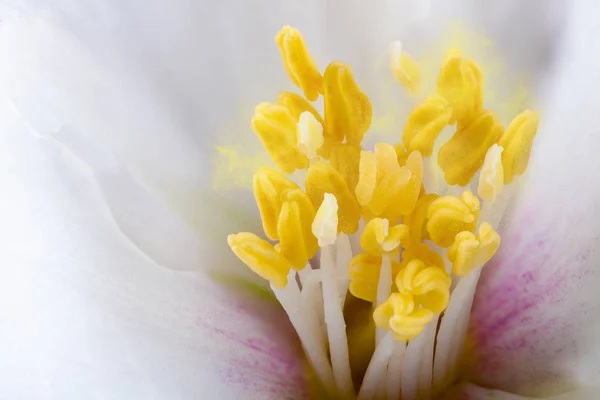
(386, 239)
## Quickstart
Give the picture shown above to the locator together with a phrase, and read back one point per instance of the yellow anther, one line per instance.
(364, 275)
(261, 257)
(378, 237)
(325, 224)
(323, 178)
(491, 177)
(296, 105)
(310, 135)
(469, 252)
(450, 215)
(400, 315)
(517, 142)
(385, 189)
(425, 123)
(276, 129)
(299, 63)
(346, 159)
(270, 188)
(462, 155)
(405, 69)
(430, 285)
(348, 110)
(417, 220)
(296, 241)
(461, 83)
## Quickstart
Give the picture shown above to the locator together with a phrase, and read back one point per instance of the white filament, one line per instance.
(377, 368)
(336, 326)
(384, 288)
(394, 371)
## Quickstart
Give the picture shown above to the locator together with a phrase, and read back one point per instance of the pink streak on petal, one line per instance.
(270, 360)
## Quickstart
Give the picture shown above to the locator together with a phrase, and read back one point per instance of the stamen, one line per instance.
(404, 68)
(269, 188)
(261, 257)
(276, 129)
(425, 123)
(377, 237)
(462, 155)
(323, 178)
(325, 224)
(296, 241)
(296, 105)
(310, 135)
(469, 252)
(450, 215)
(461, 83)
(517, 142)
(348, 110)
(299, 63)
(491, 176)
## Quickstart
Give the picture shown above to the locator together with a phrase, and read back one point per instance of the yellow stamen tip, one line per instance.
(276, 129)
(469, 251)
(517, 142)
(462, 155)
(297, 104)
(261, 257)
(491, 177)
(323, 178)
(405, 69)
(400, 315)
(269, 188)
(378, 237)
(325, 224)
(348, 110)
(460, 82)
(430, 285)
(296, 240)
(310, 135)
(450, 215)
(299, 63)
(425, 123)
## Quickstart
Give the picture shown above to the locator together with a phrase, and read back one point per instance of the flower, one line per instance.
(105, 289)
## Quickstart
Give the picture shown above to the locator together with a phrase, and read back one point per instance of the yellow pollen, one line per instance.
(491, 177)
(416, 221)
(469, 251)
(276, 129)
(270, 187)
(460, 82)
(430, 285)
(404, 68)
(400, 315)
(364, 272)
(517, 142)
(261, 257)
(299, 63)
(323, 178)
(348, 110)
(310, 135)
(378, 237)
(462, 155)
(450, 215)
(425, 123)
(325, 224)
(296, 240)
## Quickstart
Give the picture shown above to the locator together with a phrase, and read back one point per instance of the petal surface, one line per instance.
(90, 310)
(534, 322)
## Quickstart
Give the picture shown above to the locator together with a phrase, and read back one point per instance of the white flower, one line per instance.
(117, 281)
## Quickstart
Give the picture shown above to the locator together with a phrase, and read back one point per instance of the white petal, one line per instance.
(86, 314)
(474, 392)
(535, 322)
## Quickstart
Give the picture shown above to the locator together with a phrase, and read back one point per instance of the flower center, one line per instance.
(397, 230)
